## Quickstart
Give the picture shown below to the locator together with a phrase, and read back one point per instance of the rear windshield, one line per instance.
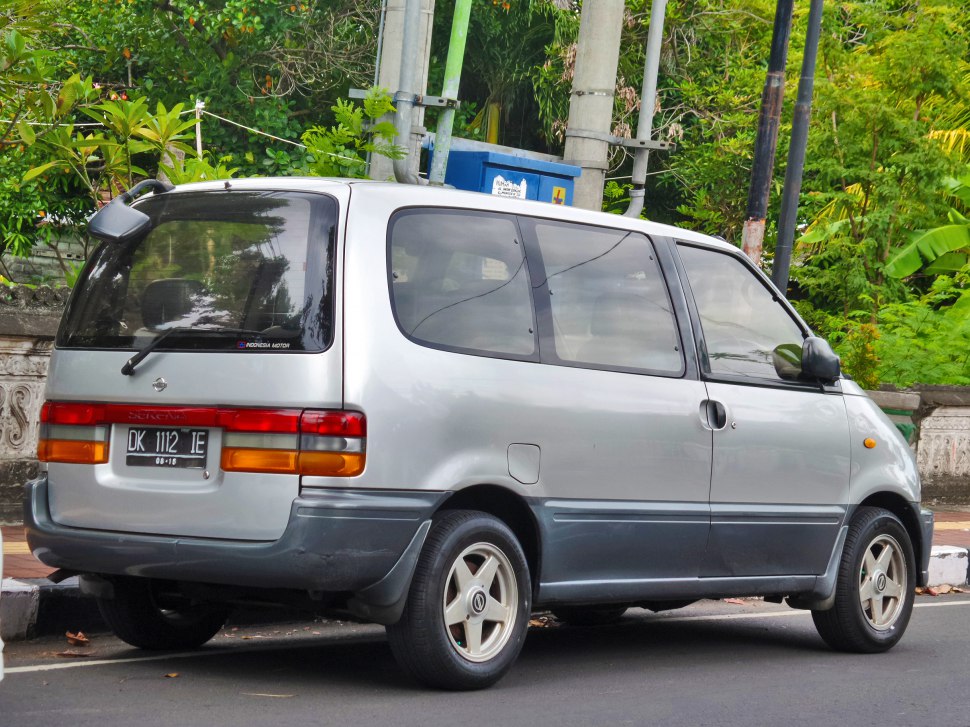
(239, 271)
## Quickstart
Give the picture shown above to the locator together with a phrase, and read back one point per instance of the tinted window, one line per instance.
(217, 270)
(459, 280)
(747, 332)
(608, 301)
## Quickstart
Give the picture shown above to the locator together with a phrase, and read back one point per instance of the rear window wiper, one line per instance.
(129, 368)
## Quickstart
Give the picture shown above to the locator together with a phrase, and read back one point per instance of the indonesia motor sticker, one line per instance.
(262, 345)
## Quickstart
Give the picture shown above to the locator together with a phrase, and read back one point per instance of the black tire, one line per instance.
(449, 584)
(876, 586)
(142, 615)
(589, 615)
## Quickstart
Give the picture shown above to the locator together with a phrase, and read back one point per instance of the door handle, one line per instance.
(716, 414)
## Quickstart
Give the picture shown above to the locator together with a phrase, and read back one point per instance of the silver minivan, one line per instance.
(440, 410)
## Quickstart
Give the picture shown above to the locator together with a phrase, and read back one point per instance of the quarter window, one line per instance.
(747, 331)
(607, 299)
(459, 280)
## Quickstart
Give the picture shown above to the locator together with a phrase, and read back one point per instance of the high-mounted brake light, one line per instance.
(284, 441)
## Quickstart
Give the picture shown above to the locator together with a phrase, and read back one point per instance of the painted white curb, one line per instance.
(18, 609)
(949, 565)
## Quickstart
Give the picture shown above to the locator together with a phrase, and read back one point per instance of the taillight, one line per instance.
(282, 441)
(73, 433)
(309, 442)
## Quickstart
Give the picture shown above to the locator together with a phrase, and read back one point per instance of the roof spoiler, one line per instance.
(117, 222)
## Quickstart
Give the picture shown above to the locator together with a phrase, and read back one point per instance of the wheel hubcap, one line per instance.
(882, 582)
(480, 602)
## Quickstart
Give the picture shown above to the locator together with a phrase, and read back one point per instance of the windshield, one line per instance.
(218, 271)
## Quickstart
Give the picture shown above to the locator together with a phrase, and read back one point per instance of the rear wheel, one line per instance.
(589, 615)
(875, 587)
(468, 609)
(144, 614)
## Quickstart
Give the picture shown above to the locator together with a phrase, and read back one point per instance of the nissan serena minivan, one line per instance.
(440, 410)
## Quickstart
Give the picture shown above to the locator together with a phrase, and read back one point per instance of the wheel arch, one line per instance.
(908, 515)
(509, 507)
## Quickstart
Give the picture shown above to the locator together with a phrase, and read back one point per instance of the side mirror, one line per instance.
(819, 361)
(117, 222)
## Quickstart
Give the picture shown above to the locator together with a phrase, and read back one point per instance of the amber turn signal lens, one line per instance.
(331, 464)
(278, 461)
(72, 451)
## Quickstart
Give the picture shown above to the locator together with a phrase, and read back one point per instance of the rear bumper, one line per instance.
(337, 540)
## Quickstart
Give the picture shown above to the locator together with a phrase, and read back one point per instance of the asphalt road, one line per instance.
(713, 663)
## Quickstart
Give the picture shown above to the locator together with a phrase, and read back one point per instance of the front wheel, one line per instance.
(144, 614)
(468, 608)
(875, 588)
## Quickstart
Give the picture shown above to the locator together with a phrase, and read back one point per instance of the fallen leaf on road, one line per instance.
(543, 622)
(959, 590)
(78, 639)
(173, 675)
(932, 592)
(73, 654)
(735, 601)
(944, 589)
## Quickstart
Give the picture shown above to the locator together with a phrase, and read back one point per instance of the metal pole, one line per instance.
(767, 139)
(199, 106)
(456, 57)
(648, 104)
(591, 102)
(405, 96)
(796, 152)
(392, 39)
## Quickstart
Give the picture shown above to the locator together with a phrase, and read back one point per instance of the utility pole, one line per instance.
(648, 104)
(588, 134)
(389, 73)
(796, 152)
(766, 141)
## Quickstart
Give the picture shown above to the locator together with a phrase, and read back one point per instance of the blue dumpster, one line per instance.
(511, 175)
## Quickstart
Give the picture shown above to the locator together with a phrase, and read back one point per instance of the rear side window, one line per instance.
(607, 299)
(747, 331)
(459, 281)
(217, 271)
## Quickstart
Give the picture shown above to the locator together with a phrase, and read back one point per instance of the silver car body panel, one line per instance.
(633, 494)
(231, 505)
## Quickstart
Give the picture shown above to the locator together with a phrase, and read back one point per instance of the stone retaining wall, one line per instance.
(28, 322)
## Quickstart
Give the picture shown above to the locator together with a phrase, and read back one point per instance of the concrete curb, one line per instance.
(35, 607)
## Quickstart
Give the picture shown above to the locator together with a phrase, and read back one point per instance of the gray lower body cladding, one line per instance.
(335, 541)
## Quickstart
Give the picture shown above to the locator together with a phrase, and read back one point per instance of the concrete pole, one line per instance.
(389, 75)
(591, 103)
(766, 141)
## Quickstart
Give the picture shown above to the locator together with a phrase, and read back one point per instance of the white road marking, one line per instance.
(315, 643)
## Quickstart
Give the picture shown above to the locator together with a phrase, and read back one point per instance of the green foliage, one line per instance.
(927, 340)
(942, 249)
(858, 354)
(263, 63)
(506, 42)
(875, 171)
(340, 150)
